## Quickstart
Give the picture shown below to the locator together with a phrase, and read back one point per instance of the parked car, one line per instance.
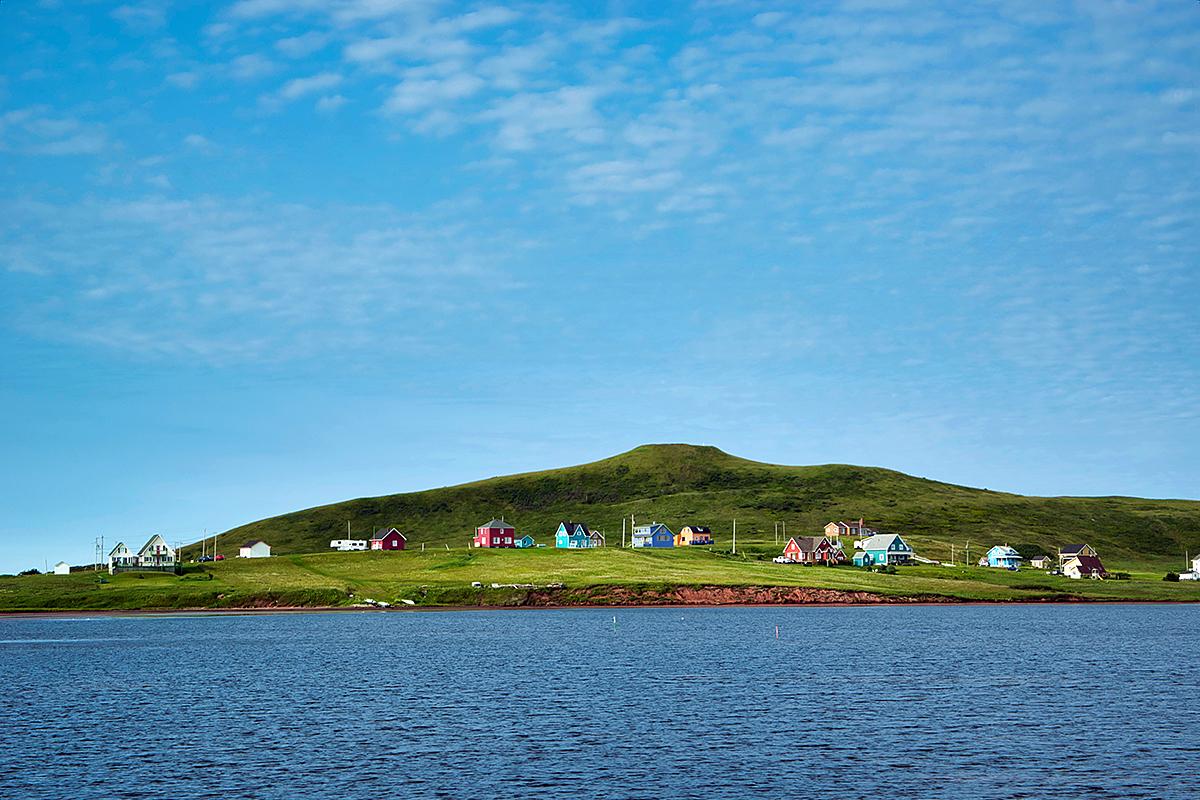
(204, 559)
(219, 557)
(780, 560)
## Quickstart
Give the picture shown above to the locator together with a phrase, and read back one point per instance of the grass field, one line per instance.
(440, 577)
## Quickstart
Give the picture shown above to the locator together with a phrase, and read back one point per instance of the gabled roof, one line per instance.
(653, 529)
(1068, 549)
(253, 542)
(576, 528)
(809, 544)
(156, 538)
(1004, 551)
(383, 533)
(498, 523)
(113, 552)
(880, 541)
(1087, 564)
(696, 528)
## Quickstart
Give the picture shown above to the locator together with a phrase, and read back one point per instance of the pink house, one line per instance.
(496, 533)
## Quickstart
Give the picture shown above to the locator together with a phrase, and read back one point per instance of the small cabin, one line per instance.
(347, 545)
(576, 535)
(1040, 562)
(255, 548)
(693, 535)
(388, 539)
(525, 541)
(62, 568)
(854, 529)
(496, 533)
(1003, 556)
(653, 535)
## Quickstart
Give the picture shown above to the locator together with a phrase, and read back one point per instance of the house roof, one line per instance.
(118, 547)
(880, 541)
(1071, 548)
(253, 542)
(1004, 551)
(498, 523)
(809, 544)
(383, 533)
(1087, 564)
(652, 528)
(150, 543)
(574, 528)
(697, 528)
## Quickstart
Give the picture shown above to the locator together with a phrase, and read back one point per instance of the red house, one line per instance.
(809, 550)
(496, 533)
(388, 539)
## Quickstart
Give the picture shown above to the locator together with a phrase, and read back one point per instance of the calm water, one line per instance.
(959, 702)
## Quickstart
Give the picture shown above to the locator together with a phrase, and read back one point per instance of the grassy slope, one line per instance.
(441, 577)
(678, 484)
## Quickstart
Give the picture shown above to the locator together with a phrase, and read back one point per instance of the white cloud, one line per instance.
(568, 112)
(37, 130)
(330, 103)
(298, 87)
(252, 66)
(141, 17)
(303, 45)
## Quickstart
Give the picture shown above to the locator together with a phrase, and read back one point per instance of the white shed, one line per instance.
(62, 568)
(255, 549)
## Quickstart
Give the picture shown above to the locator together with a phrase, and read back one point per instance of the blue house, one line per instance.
(1003, 556)
(574, 535)
(524, 541)
(653, 535)
(882, 548)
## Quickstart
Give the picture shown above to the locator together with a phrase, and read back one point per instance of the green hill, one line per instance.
(680, 484)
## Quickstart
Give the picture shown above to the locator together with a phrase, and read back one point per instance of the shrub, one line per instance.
(1173, 577)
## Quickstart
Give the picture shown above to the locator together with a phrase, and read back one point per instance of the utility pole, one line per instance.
(777, 533)
(967, 557)
(784, 530)
(622, 533)
(735, 535)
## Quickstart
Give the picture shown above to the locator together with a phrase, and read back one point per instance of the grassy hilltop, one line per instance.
(680, 484)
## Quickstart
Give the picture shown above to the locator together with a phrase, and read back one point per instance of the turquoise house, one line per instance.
(575, 535)
(524, 541)
(882, 549)
(653, 535)
(1003, 556)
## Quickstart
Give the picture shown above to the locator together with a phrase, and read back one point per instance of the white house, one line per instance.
(346, 545)
(62, 568)
(255, 549)
(121, 557)
(1040, 562)
(156, 554)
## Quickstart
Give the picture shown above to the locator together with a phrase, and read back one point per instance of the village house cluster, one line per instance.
(870, 548)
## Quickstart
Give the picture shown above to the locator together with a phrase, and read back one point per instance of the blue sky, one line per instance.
(266, 254)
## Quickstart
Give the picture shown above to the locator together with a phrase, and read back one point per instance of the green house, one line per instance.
(882, 548)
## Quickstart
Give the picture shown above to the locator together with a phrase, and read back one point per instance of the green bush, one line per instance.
(1173, 577)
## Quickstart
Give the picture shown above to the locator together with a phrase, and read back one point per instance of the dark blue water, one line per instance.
(958, 702)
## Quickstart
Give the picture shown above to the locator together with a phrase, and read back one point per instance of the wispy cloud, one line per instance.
(245, 280)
